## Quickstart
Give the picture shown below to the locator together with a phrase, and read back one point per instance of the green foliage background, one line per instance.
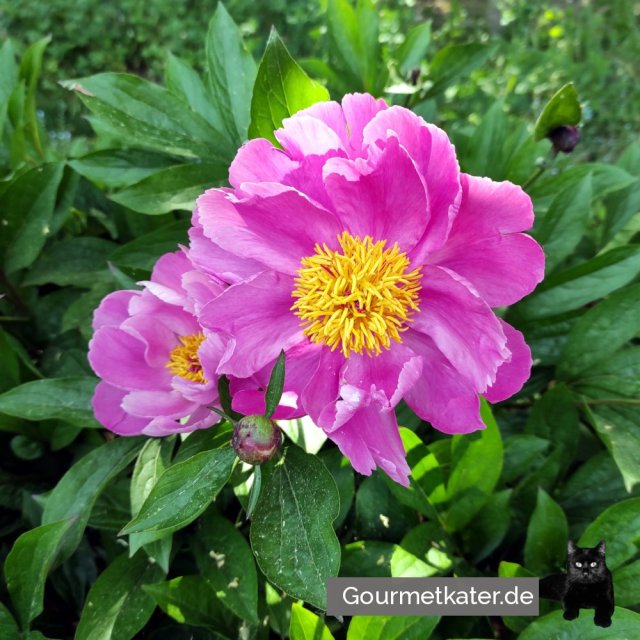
(97, 178)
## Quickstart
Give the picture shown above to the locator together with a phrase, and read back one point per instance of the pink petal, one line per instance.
(256, 316)
(109, 412)
(462, 326)
(113, 309)
(388, 203)
(441, 395)
(150, 404)
(513, 373)
(259, 161)
(307, 136)
(503, 266)
(119, 359)
(331, 114)
(166, 278)
(274, 224)
(371, 438)
(359, 109)
(159, 340)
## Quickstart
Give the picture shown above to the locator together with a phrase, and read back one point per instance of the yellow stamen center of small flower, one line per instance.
(358, 300)
(183, 359)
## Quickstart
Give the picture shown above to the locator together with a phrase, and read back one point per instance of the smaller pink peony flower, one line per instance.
(361, 250)
(158, 371)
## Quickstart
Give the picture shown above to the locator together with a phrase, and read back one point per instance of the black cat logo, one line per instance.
(586, 585)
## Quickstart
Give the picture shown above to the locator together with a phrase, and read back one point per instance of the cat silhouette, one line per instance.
(586, 585)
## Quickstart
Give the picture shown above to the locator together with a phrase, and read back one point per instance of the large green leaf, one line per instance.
(28, 564)
(546, 546)
(182, 493)
(172, 188)
(366, 558)
(116, 606)
(53, 398)
(306, 625)
(625, 625)
(562, 109)
(145, 114)
(414, 48)
(225, 561)
(291, 530)
(282, 88)
(626, 584)
(421, 553)
(396, 627)
(618, 526)
(76, 493)
(232, 72)
(560, 229)
(27, 208)
(8, 626)
(476, 467)
(600, 332)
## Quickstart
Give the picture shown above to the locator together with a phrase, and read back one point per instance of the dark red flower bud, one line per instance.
(565, 138)
(256, 439)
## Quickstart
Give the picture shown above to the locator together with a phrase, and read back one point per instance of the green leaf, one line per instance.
(354, 38)
(625, 624)
(116, 606)
(584, 283)
(76, 261)
(190, 600)
(27, 211)
(454, 61)
(476, 468)
(143, 252)
(232, 72)
(545, 549)
(626, 584)
(66, 399)
(489, 527)
(183, 492)
(414, 48)
(397, 627)
(225, 561)
(173, 188)
(560, 229)
(342, 472)
(282, 88)
(306, 625)
(119, 168)
(28, 564)
(79, 488)
(145, 114)
(292, 535)
(520, 453)
(563, 109)
(618, 526)
(422, 553)
(367, 558)
(275, 386)
(8, 626)
(600, 332)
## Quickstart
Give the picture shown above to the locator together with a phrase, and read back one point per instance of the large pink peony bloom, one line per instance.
(158, 371)
(361, 250)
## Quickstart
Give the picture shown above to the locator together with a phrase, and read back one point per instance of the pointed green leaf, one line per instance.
(563, 109)
(306, 625)
(275, 386)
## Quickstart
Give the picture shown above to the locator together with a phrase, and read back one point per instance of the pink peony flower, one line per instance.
(158, 371)
(361, 250)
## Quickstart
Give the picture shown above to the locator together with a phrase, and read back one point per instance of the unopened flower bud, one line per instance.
(256, 439)
(565, 138)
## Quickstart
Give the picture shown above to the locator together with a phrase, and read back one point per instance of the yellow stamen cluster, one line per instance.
(183, 359)
(358, 300)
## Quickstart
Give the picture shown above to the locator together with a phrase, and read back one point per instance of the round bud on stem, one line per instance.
(565, 138)
(256, 439)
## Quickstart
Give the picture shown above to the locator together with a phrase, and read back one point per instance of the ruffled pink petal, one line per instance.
(331, 114)
(174, 318)
(359, 110)
(201, 289)
(307, 136)
(388, 203)
(107, 408)
(252, 401)
(150, 404)
(256, 316)
(502, 265)
(431, 150)
(259, 161)
(513, 373)
(158, 339)
(166, 278)
(119, 359)
(113, 309)
(217, 262)
(462, 326)
(371, 439)
(441, 395)
(274, 224)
